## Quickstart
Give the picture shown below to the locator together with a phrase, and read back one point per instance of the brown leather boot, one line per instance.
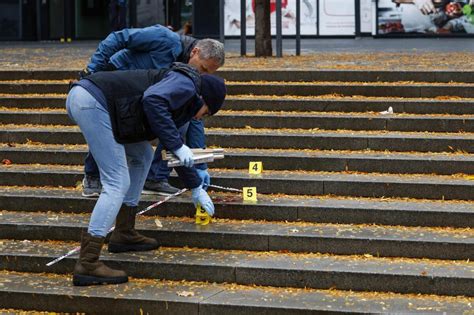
(89, 270)
(125, 238)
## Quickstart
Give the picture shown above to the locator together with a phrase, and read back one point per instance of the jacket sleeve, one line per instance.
(188, 176)
(159, 100)
(153, 38)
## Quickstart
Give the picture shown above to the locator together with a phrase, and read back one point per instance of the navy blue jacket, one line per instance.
(160, 100)
(168, 104)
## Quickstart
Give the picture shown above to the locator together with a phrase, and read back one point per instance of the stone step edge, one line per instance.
(317, 209)
(258, 235)
(271, 153)
(271, 114)
(264, 83)
(280, 99)
(284, 98)
(428, 205)
(444, 277)
(300, 176)
(264, 132)
(20, 290)
(294, 183)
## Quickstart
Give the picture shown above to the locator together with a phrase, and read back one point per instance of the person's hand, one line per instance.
(425, 6)
(201, 197)
(205, 177)
(185, 155)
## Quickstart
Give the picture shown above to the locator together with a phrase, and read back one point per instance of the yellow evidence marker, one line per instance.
(202, 218)
(255, 168)
(249, 193)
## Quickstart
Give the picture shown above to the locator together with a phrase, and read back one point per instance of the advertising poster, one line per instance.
(336, 17)
(308, 17)
(425, 17)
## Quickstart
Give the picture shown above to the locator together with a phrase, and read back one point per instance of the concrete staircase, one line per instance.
(358, 211)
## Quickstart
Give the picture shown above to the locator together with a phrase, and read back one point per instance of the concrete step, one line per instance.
(33, 101)
(331, 161)
(48, 292)
(331, 121)
(346, 75)
(34, 87)
(319, 271)
(274, 139)
(278, 75)
(349, 104)
(392, 89)
(290, 103)
(276, 182)
(395, 89)
(318, 209)
(341, 239)
(275, 120)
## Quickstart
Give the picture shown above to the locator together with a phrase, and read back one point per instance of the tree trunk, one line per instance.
(263, 37)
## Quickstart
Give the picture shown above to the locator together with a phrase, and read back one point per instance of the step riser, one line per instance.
(353, 188)
(413, 107)
(229, 241)
(343, 142)
(391, 91)
(273, 212)
(8, 75)
(36, 119)
(101, 305)
(39, 88)
(303, 122)
(335, 164)
(355, 281)
(29, 102)
(335, 123)
(271, 141)
(283, 89)
(279, 75)
(349, 75)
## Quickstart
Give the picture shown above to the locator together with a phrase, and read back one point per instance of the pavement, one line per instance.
(321, 53)
(363, 44)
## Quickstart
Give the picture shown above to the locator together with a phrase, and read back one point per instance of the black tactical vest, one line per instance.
(124, 90)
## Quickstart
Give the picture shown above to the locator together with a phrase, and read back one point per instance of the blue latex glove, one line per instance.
(205, 177)
(185, 155)
(201, 197)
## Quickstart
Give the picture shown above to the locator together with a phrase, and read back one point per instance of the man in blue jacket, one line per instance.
(154, 47)
(118, 113)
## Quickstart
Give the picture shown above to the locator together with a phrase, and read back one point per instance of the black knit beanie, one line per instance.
(213, 92)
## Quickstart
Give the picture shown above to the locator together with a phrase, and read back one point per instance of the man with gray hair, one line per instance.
(154, 47)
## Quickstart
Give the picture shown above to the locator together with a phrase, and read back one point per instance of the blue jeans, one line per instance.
(192, 133)
(123, 167)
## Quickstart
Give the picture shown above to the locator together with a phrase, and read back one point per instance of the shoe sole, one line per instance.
(121, 248)
(82, 280)
(90, 195)
(152, 192)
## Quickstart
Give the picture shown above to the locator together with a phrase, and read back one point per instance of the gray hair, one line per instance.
(211, 49)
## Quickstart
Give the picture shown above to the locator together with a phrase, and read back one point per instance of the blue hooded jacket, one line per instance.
(153, 47)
